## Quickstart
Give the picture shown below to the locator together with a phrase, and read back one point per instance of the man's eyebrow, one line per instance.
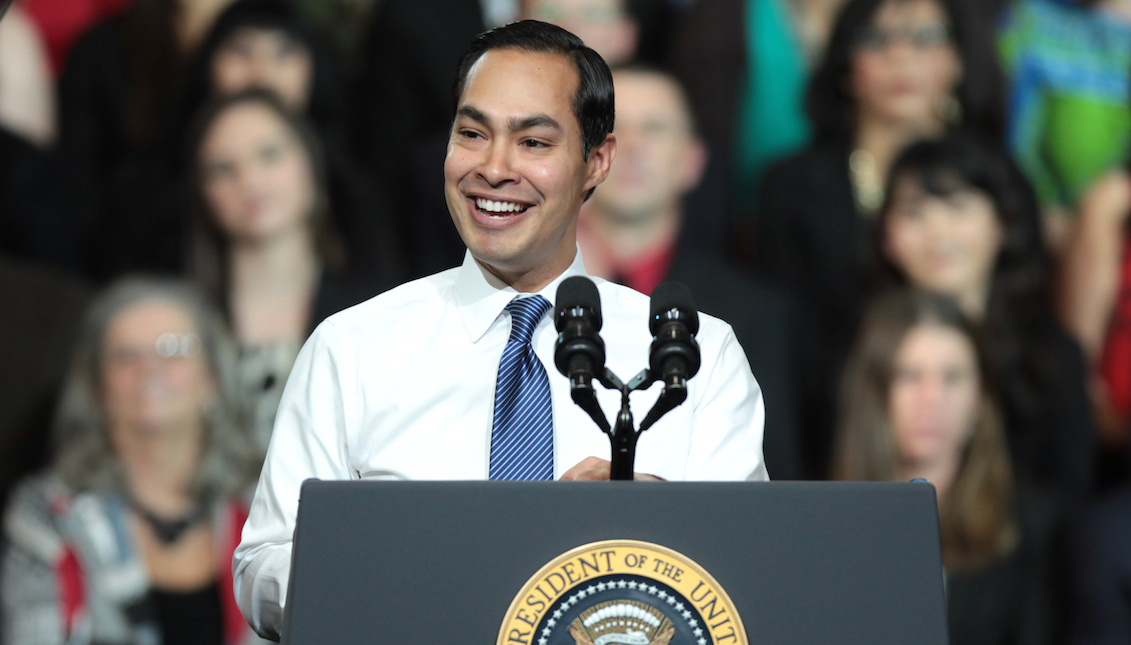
(516, 124)
(536, 121)
(473, 114)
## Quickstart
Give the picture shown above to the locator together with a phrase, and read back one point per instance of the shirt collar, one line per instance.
(481, 296)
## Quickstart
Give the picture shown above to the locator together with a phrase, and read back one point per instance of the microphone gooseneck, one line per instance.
(579, 354)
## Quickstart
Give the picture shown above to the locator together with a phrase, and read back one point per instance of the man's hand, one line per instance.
(596, 469)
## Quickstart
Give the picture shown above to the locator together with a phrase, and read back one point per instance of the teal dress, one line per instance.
(771, 120)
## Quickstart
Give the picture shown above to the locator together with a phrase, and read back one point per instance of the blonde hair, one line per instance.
(976, 520)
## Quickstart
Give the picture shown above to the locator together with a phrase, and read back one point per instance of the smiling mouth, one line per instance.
(499, 209)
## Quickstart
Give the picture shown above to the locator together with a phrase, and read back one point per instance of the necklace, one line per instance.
(168, 531)
(867, 187)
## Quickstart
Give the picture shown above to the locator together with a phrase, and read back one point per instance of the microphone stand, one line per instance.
(623, 435)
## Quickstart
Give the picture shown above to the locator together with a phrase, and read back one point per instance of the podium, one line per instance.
(545, 563)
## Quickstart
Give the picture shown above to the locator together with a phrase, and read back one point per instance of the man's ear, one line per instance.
(600, 161)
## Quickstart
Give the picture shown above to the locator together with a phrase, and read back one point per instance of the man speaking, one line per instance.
(451, 376)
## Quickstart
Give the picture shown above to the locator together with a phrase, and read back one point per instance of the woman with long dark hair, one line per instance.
(918, 402)
(894, 71)
(268, 44)
(957, 221)
(264, 245)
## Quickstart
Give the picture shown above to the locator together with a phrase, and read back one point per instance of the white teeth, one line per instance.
(492, 206)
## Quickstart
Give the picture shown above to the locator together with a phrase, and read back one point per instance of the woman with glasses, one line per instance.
(128, 537)
(894, 71)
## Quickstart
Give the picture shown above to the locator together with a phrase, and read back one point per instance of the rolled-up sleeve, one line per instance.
(309, 441)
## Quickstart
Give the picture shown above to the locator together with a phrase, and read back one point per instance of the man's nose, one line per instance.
(498, 164)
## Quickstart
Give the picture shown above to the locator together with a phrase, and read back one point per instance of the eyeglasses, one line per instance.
(925, 36)
(168, 346)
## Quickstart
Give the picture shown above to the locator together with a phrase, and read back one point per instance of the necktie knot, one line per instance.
(526, 313)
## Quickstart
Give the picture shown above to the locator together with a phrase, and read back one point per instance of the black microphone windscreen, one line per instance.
(673, 295)
(575, 292)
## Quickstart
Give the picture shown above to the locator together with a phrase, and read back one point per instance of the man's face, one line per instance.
(514, 177)
(659, 158)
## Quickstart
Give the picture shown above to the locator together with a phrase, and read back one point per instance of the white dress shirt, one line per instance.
(402, 387)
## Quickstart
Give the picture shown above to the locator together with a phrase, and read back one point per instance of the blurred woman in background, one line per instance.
(746, 64)
(917, 404)
(267, 44)
(264, 247)
(128, 538)
(894, 71)
(957, 221)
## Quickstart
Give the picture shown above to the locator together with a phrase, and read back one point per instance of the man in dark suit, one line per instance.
(633, 231)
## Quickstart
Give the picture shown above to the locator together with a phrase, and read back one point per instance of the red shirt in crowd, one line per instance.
(1115, 361)
(61, 22)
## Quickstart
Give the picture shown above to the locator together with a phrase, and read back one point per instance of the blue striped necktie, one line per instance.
(522, 435)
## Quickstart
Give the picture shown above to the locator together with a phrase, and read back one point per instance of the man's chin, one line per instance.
(499, 260)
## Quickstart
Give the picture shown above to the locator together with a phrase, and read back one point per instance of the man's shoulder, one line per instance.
(621, 299)
(399, 307)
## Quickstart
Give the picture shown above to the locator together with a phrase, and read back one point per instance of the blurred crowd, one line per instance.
(914, 213)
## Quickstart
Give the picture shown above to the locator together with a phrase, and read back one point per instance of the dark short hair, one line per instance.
(829, 101)
(326, 106)
(593, 102)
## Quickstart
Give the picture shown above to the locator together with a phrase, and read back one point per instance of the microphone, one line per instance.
(674, 357)
(673, 321)
(579, 353)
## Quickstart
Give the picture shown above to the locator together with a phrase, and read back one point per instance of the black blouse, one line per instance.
(189, 618)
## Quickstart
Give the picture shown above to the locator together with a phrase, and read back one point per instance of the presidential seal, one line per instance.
(622, 592)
